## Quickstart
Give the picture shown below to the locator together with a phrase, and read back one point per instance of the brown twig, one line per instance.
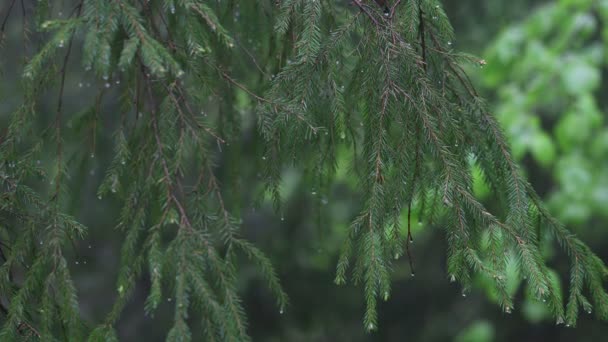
(59, 112)
(5, 20)
(394, 8)
(253, 59)
(176, 102)
(167, 179)
(364, 10)
(409, 240)
(260, 98)
(421, 31)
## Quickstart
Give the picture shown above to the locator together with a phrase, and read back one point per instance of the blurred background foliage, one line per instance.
(545, 77)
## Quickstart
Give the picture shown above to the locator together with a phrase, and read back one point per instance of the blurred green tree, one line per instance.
(549, 68)
(544, 76)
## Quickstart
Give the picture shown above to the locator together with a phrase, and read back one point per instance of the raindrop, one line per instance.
(263, 157)
(464, 294)
(117, 81)
(589, 312)
(313, 193)
(282, 218)
(370, 327)
(61, 43)
(41, 242)
(76, 262)
(107, 85)
(446, 202)
(413, 274)
(89, 246)
(449, 43)
(105, 77)
(281, 311)
(80, 85)
(99, 197)
(324, 201)
(396, 256)
(92, 155)
(113, 190)
(92, 172)
(169, 299)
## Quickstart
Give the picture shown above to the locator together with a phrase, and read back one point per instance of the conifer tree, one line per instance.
(318, 78)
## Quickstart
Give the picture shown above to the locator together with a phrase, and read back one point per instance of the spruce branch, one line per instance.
(387, 88)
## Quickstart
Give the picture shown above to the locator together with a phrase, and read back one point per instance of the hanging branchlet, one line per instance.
(179, 232)
(405, 74)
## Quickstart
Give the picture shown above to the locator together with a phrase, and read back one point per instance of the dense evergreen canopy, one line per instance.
(321, 87)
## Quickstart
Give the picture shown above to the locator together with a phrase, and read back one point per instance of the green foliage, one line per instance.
(478, 332)
(549, 68)
(389, 90)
